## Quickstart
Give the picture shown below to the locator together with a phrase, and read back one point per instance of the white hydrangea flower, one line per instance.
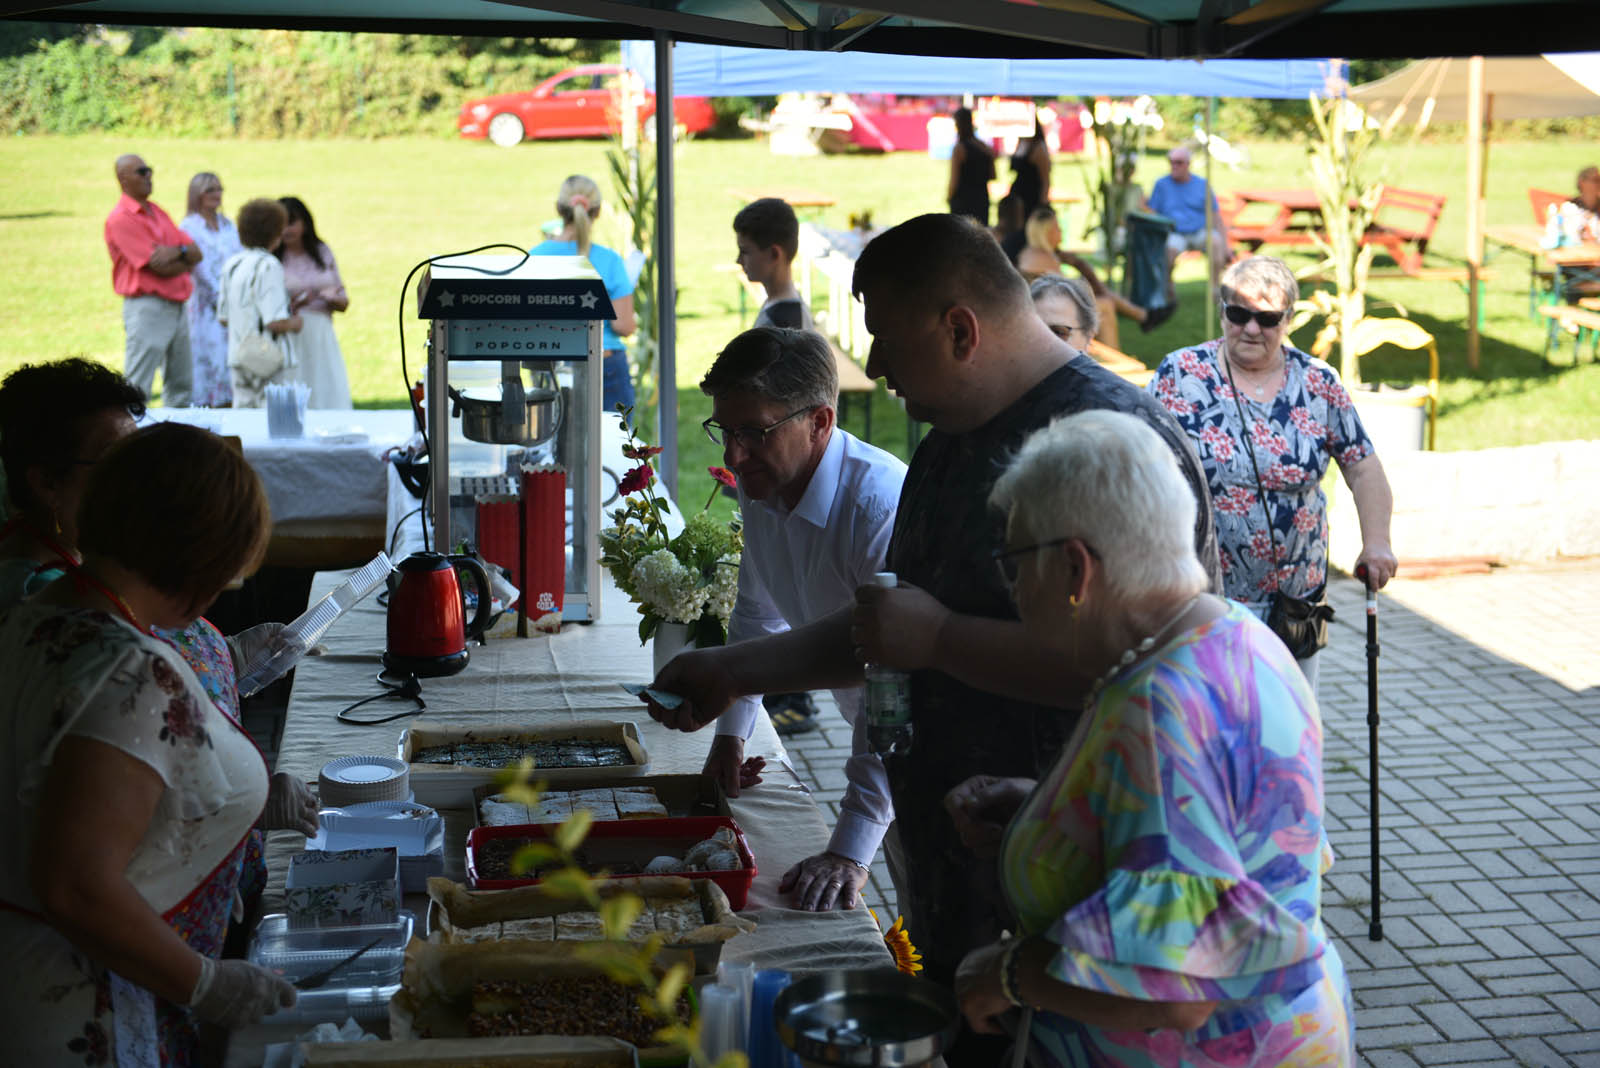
(668, 588)
(724, 588)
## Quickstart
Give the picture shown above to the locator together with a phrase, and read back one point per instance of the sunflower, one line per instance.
(906, 957)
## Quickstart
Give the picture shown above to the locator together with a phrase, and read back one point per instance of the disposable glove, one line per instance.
(236, 993)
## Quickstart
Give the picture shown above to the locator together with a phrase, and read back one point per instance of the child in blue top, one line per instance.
(578, 204)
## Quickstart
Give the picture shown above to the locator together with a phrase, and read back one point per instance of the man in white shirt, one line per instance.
(818, 506)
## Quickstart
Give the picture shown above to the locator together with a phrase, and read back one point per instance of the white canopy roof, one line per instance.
(1551, 86)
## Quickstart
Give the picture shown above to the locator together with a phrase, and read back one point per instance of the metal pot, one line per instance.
(483, 417)
(874, 1016)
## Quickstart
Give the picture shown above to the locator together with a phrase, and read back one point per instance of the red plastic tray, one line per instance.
(678, 834)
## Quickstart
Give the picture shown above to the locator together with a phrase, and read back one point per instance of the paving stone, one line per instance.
(1454, 1053)
(1382, 997)
(1399, 1035)
(1450, 1021)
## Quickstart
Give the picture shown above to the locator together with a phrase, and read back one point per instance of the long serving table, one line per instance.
(555, 680)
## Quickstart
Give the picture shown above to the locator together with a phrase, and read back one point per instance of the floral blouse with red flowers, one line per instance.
(1295, 433)
(87, 674)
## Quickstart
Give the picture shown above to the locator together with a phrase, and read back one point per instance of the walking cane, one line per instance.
(1375, 927)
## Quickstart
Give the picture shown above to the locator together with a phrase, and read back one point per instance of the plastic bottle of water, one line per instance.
(888, 698)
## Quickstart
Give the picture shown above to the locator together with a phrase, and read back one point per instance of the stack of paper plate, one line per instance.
(352, 780)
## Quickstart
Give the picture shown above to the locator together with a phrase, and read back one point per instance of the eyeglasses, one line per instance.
(214, 189)
(1239, 315)
(751, 437)
(1006, 560)
(143, 172)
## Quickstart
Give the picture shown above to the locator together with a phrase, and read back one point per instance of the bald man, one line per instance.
(1181, 196)
(150, 263)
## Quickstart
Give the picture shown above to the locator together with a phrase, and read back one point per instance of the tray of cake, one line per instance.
(448, 761)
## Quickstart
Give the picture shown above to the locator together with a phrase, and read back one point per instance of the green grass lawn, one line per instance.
(384, 206)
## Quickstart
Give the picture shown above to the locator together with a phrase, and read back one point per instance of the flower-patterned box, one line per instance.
(343, 888)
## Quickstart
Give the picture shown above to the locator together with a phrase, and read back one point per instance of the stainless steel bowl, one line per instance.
(483, 417)
(875, 1016)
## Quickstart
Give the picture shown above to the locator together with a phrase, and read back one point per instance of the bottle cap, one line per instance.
(886, 579)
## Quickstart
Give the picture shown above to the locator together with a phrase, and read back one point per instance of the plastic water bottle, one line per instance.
(888, 698)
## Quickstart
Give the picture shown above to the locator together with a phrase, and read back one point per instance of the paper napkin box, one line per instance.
(343, 888)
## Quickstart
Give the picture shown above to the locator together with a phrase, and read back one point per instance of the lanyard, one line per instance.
(65, 555)
(83, 581)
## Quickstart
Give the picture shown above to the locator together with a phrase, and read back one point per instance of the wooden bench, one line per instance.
(854, 384)
(1581, 321)
(1403, 224)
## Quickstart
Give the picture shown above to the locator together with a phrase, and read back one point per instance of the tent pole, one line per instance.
(666, 283)
(1211, 223)
(1475, 161)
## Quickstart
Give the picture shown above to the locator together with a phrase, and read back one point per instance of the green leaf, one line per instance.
(571, 883)
(671, 986)
(531, 856)
(570, 835)
(618, 913)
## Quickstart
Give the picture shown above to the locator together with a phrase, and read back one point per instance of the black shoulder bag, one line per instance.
(1302, 625)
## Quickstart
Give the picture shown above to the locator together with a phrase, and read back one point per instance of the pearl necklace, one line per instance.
(1130, 655)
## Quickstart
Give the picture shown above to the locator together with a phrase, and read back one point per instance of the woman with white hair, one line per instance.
(1266, 484)
(1166, 873)
(578, 204)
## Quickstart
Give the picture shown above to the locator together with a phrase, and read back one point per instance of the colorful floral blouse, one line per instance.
(1294, 435)
(1175, 852)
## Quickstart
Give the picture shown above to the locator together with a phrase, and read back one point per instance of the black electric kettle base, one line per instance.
(425, 667)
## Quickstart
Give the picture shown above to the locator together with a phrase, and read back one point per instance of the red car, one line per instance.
(581, 102)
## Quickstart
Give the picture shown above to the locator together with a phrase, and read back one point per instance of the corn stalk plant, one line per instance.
(1336, 156)
(1117, 133)
(633, 179)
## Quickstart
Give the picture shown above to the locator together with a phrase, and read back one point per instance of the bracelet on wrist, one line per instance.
(1008, 975)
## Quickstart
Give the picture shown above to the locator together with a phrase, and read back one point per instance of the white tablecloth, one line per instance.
(310, 479)
(554, 680)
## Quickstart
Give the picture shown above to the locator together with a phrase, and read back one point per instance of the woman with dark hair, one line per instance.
(216, 236)
(1030, 165)
(315, 293)
(56, 421)
(254, 303)
(126, 796)
(971, 169)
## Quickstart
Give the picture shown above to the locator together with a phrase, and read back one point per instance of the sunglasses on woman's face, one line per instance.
(1238, 315)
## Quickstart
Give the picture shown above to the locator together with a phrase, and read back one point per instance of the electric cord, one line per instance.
(405, 373)
(408, 688)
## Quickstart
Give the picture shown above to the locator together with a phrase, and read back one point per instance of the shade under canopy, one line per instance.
(1551, 86)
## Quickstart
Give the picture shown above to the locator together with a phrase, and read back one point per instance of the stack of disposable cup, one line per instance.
(719, 1020)
(739, 975)
(766, 1049)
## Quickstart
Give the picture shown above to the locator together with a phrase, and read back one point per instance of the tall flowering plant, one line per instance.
(692, 578)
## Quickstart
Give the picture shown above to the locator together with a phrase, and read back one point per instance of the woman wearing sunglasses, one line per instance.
(1166, 872)
(1266, 418)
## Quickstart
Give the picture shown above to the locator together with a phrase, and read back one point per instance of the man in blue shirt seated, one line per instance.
(1181, 196)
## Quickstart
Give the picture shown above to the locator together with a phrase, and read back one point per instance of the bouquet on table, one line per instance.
(692, 578)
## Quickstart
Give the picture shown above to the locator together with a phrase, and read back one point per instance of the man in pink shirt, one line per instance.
(150, 263)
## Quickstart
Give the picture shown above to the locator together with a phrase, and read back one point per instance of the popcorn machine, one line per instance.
(512, 393)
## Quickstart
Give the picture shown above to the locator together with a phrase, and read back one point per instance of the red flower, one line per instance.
(724, 476)
(641, 452)
(636, 480)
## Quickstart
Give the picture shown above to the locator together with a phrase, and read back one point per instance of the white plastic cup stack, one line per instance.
(286, 409)
(740, 975)
(720, 1020)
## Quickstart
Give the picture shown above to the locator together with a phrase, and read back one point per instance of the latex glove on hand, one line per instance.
(236, 993)
(291, 806)
(247, 645)
(823, 882)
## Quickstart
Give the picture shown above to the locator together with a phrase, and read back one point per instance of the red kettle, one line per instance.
(427, 612)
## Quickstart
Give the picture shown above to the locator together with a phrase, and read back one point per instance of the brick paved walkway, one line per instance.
(1490, 785)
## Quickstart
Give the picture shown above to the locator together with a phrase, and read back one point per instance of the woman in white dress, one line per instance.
(126, 795)
(253, 304)
(315, 293)
(215, 235)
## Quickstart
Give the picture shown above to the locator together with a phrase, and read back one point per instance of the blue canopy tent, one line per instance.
(724, 70)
